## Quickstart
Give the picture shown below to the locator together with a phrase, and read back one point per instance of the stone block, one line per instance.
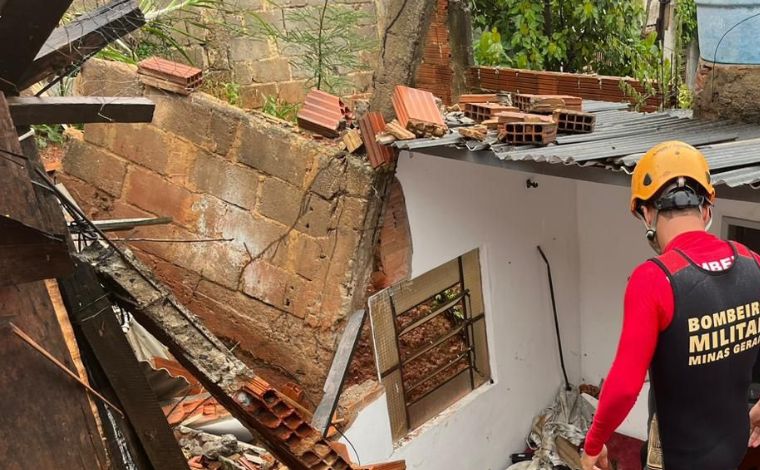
(231, 182)
(277, 151)
(307, 301)
(311, 257)
(98, 134)
(254, 96)
(292, 92)
(329, 178)
(182, 282)
(270, 70)
(266, 282)
(242, 73)
(280, 201)
(143, 144)
(360, 178)
(318, 216)
(151, 192)
(353, 212)
(223, 131)
(95, 203)
(182, 116)
(252, 233)
(249, 49)
(108, 78)
(96, 166)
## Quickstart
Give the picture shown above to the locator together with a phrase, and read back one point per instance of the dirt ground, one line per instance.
(363, 364)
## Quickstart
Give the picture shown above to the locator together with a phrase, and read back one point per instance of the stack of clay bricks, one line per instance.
(574, 122)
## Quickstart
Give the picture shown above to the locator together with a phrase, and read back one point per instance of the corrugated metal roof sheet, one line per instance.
(621, 138)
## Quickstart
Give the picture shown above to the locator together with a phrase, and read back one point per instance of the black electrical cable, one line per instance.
(556, 319)
(358, 460)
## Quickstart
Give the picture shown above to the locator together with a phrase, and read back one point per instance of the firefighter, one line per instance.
(691, 319)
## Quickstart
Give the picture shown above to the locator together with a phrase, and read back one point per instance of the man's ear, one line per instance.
(647, 215)
(707, 214)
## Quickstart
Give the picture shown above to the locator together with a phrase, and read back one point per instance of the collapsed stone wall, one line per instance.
(299, 218)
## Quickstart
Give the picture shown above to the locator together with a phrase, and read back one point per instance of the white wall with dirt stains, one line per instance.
(454, 207)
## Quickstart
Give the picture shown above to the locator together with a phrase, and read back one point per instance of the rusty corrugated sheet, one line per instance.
(322, 113)
(417, 105)
(174, 72)
(372, 124)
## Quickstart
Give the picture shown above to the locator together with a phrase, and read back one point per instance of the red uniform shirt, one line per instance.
(648, 310)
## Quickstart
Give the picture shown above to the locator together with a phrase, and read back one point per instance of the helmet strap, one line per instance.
(708, 208)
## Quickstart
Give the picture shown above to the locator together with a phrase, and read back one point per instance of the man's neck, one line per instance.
(670, 228)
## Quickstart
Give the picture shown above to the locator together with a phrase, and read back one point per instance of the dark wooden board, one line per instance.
(46, 420)
(91, 312)
(25, 25)
(74, 42)
(29, 110)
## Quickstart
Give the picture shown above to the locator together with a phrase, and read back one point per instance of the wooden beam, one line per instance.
(78, 40)
(260, 408)
(337, 375)
(31, 246)
(91, 311)
(28, 110)
(24, 27)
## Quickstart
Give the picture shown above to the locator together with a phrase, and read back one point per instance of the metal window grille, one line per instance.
(430, 341)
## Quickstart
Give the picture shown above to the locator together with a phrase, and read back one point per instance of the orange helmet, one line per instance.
(662, 164)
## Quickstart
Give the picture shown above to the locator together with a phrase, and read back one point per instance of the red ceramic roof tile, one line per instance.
(414, 104)
(372, 124)
(322, 113)
(181, 74)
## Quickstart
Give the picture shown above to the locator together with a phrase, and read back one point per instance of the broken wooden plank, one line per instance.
(337, 375)
(91, 310)
(260, 408)
(24, 27)
(28, 110)
(29, 250)
(78, 40)
(353, 140)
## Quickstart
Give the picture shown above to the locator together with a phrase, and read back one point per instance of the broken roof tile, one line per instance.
(322, 113)
(416, 105)
(371, 125)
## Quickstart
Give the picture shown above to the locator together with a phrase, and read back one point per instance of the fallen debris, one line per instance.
(478, 98)
(208, 451)
(397, 131)
(485, 111)
(323, 113)
(169, 76)
(258, 406)
(371, 125)
(479, 132)
(417, 111)
(546, 104)
(353, 141)
(574, 122)
(528, 133)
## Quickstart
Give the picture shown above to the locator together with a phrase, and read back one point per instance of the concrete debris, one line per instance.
(479, 132)
(204, 450)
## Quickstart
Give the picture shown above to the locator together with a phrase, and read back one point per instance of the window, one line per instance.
(430, 341)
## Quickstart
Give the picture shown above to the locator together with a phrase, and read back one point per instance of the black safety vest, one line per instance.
(702, 367)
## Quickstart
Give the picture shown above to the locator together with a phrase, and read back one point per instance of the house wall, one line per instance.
(289, 224)
(594, 245)
(454, 207)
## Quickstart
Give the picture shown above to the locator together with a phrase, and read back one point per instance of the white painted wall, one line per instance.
(593, 243)
(457, 206)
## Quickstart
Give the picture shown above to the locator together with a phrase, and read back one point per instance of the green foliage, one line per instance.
(654, 73)
(489, 50)
(570, 35)
(685, 97)
(46, 134)
(170, 29)
(686, 17)
(326, 43)
(232, 93)
(280, 109)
